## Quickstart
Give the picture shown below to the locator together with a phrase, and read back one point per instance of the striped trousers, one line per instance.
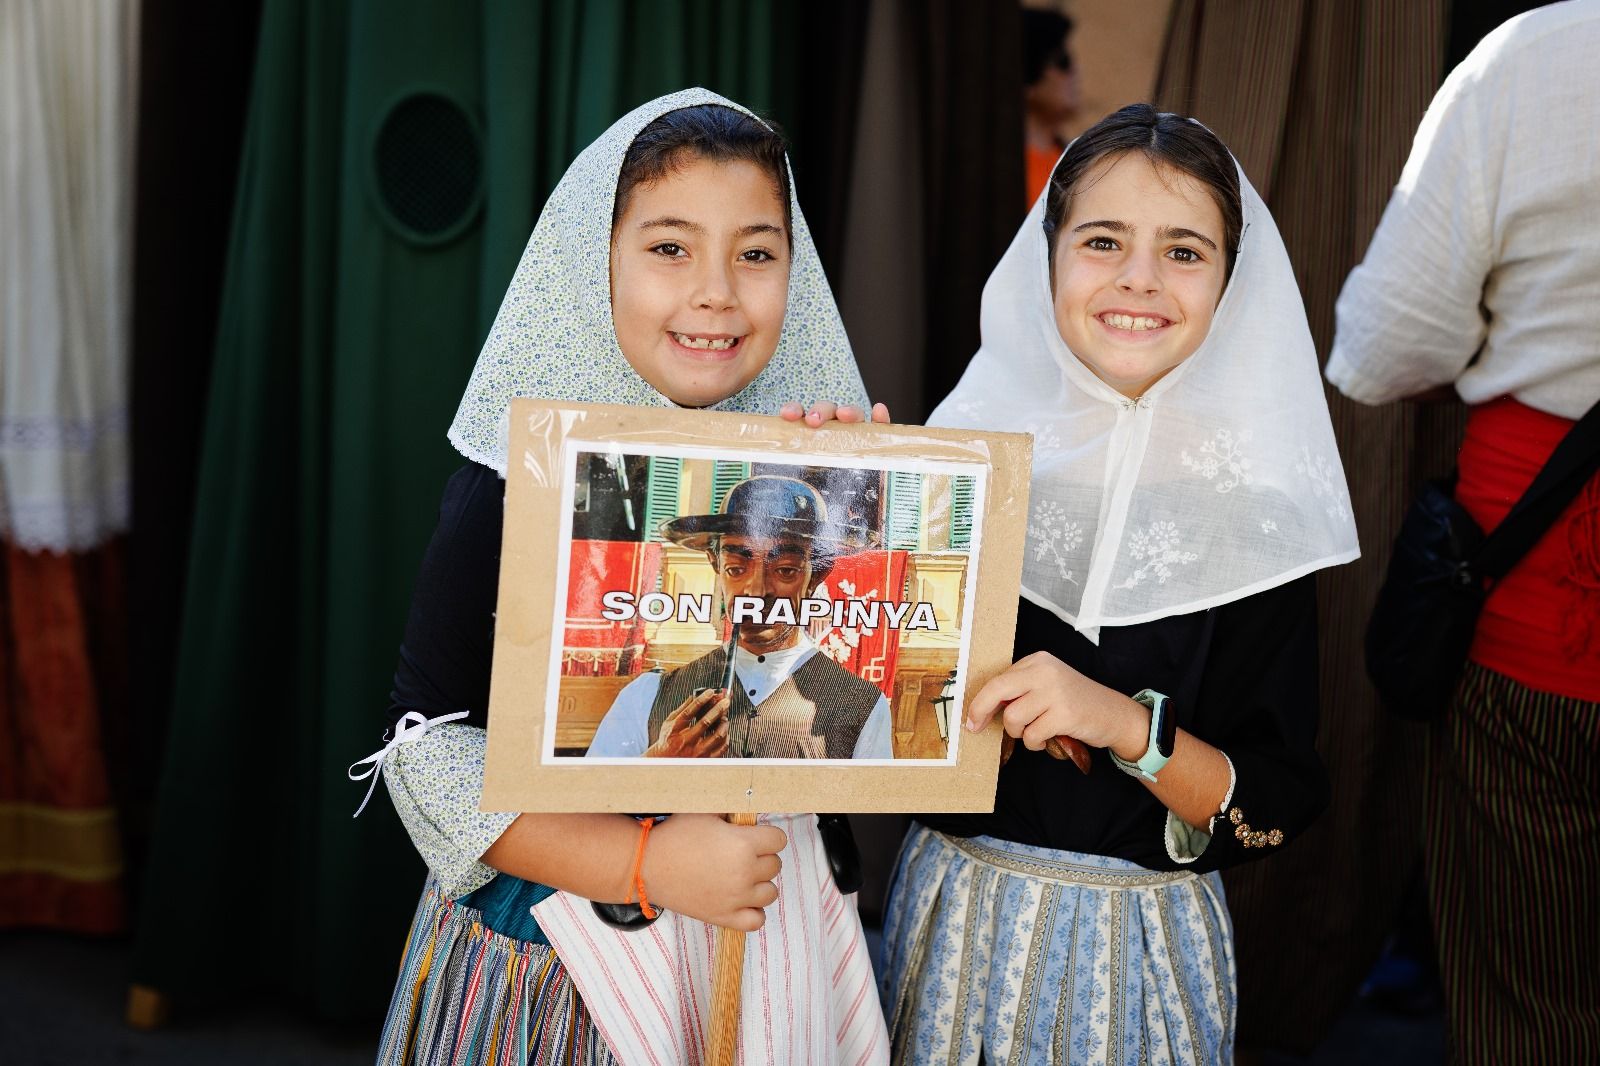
(468, 996)
(1512, 837)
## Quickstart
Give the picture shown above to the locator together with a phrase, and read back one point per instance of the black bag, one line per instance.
(1422, 625)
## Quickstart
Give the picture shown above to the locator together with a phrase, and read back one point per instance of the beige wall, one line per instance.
(1116, 47)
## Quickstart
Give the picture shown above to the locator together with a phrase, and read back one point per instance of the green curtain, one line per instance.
(367, 258)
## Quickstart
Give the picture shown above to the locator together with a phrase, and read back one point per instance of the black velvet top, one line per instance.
(1242, 677)
(448, 648)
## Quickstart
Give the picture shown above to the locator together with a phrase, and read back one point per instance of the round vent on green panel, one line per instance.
(427, 167)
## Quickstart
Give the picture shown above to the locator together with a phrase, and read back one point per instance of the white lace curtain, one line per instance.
(68, 80)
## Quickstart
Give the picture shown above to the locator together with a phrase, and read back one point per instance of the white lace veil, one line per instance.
(553, 337)
(1221, 481)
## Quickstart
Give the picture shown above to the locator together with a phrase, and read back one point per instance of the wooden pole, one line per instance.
(727, 978)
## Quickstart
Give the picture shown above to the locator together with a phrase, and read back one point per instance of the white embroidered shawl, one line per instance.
(1221, 481)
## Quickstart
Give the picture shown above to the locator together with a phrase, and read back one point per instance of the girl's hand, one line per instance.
(1040, 698)
(702, 866)
(825, 411)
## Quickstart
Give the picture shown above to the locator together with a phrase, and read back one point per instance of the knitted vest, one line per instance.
(817, 713)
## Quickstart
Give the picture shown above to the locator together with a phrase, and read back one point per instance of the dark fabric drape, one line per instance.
(1470, 20)
(972, 179)
(821, 119)
(194, 63)
(395, 158)
(882, 281)
(1319, 100)
(936, 176)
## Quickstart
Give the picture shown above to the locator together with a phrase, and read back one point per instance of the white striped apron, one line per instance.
(808, 996)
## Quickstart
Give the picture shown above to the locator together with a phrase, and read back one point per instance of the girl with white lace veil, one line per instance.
(670, 266)
(1146, 328)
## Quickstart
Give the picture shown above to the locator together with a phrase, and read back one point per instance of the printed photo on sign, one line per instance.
(717, 607)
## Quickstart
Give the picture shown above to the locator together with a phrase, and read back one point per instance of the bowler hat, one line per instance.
(770, 506)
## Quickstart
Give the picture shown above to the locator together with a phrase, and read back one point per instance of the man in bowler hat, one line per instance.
(773, 540)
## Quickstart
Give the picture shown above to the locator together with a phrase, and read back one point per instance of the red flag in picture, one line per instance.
(595, 646)
(869, 653)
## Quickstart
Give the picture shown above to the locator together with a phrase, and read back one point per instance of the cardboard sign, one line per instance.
(732, 613)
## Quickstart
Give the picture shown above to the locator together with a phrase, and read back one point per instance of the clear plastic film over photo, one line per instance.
(701, 611)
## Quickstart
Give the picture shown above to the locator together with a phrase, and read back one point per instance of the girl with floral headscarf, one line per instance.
(670, 267)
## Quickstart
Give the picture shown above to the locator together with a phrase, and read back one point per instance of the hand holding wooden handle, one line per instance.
(1063, 748)
(727, 980)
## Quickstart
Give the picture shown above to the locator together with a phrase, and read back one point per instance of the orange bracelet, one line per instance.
(638, 870)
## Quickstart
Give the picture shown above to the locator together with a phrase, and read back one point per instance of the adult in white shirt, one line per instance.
(1485, 271)
(773, 543)
(1484, 277)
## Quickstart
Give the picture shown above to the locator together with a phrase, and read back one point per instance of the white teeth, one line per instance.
(705, 344)
(1133, 322)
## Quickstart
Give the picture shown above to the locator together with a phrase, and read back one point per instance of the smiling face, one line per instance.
(1139, 268)
(773, 568)
(700, 279)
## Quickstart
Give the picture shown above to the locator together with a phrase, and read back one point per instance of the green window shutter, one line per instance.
(725, 474)
(902, 523)
(661, 494)
(962, 491)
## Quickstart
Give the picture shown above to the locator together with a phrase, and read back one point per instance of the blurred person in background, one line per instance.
(1049, 93)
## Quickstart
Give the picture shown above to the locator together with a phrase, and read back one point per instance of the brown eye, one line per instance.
(1101, 244)
(669, 250)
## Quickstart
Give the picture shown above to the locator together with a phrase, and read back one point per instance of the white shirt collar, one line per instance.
(760, 675)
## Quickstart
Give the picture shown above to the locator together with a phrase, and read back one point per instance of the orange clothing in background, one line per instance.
(1541, 623)
(1040, 162)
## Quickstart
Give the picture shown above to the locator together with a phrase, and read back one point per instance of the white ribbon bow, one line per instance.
(411, 725)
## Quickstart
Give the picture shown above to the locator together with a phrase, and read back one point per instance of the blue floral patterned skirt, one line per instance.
(1029, 955)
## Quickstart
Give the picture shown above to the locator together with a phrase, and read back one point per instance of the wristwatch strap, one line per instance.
(1152, 761)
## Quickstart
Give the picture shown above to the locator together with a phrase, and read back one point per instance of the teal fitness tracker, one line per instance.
(1163, 735)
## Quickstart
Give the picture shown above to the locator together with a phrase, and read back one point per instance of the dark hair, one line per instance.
(705, 131)
(1164, 139)
(1044, 39)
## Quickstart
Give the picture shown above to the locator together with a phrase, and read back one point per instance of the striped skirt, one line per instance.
(1512, 853)
(1001, 953)
(468, 996)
